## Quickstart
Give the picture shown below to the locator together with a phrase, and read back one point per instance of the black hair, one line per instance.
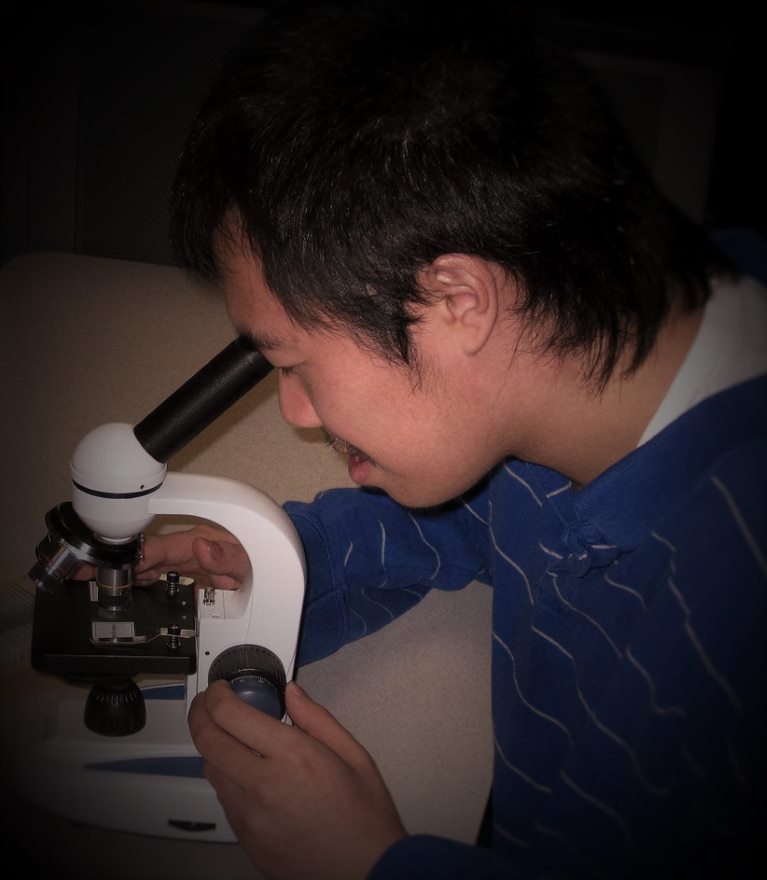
(356, 145)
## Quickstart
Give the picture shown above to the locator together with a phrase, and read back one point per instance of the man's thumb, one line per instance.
(226, 560)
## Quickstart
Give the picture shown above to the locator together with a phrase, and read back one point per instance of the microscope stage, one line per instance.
(76, 639)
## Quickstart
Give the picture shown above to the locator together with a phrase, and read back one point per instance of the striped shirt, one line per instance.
(629, 651)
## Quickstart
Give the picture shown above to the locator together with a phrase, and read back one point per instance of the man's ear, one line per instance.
(466, 292)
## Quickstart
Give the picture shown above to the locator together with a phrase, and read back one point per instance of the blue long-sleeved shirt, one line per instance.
(629, 657)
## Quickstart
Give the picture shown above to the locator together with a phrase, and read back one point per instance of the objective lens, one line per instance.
(55, 563)
(114, 587)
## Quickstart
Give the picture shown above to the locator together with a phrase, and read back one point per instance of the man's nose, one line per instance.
(295, 406)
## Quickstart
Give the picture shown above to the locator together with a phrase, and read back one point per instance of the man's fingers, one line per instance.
(232, 718)
(319, 723)
(210, 555)
(270, 737)
(263, 734)
(231, 766)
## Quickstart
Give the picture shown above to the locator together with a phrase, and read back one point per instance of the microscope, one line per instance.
(121, 756)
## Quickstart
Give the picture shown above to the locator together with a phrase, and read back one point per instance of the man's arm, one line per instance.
(369, 560)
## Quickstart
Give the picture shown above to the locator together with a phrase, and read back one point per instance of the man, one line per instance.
(544, 378)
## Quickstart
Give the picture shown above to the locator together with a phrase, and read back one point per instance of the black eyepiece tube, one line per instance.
(201, 399)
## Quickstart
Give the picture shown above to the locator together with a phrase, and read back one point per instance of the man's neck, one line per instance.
(588, 432)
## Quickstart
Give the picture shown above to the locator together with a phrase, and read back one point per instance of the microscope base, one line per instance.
(148, 782)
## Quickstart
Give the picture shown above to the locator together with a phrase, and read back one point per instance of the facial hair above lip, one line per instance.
(343, 448)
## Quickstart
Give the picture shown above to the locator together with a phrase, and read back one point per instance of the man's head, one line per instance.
(423, 435)
(354, 148)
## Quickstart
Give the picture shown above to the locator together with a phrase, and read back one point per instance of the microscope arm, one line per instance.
(266, 609)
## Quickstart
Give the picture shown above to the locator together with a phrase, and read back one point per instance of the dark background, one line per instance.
(97, 97)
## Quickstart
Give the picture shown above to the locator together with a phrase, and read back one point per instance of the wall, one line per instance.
(97, 98)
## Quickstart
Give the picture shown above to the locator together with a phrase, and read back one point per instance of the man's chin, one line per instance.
(418, 500)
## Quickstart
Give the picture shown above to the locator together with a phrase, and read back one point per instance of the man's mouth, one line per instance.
(343, 448)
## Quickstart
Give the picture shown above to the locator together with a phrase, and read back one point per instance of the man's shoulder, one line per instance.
(725, 432)
(723, 518)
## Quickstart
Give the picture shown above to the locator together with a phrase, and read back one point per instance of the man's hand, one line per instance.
(210, 555)
(304, 801)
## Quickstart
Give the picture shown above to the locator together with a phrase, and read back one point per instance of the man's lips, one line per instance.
(359, 464)
(359, 468)
(343, 448)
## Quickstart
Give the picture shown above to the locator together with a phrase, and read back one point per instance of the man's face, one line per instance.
(423, 438)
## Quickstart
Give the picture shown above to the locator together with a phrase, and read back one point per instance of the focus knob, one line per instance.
(255, 674)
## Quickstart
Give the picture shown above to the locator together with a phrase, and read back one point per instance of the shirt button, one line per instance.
(578, 564)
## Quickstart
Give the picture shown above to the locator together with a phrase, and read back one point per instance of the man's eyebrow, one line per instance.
(262, 340)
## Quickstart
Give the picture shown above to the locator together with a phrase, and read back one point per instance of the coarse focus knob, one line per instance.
(255, 674)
